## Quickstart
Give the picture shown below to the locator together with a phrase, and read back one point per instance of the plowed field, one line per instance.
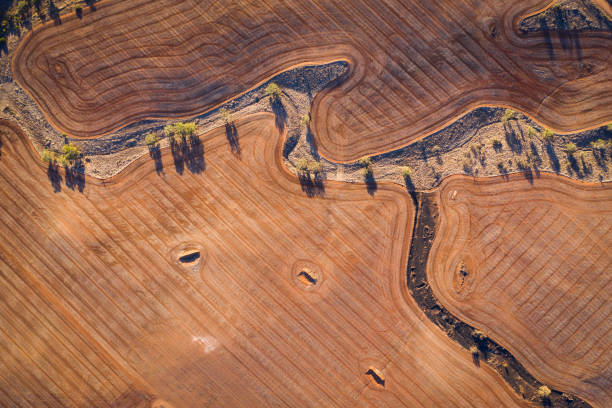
(531, 265)
(415, 65)
(291, 301)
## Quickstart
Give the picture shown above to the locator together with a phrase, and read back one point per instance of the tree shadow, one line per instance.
(370, 182)
(155, 154)
(528, 174)
(312, 185)
(554, 160)
(310, 139)
(75, 176)
(231, 133)
(280, 113)
(193, 155)
(91, 4)
(54, 177)
(476, 359)
(512, 139)
(176, 148)
(411, 190)
(547, 40)
(54, 13)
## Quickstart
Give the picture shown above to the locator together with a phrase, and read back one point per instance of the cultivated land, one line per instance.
(529, 264)
(415, 66)
(98, 310)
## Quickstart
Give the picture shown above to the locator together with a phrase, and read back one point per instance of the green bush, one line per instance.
(543, 392)
(508, 115)
(305, 119)
(273, 90)
(48, 156)
(598, 144)
(315, 167)
(548, 135)
(226, 115)
(570, 149)
(71, 152)
(531, 131)
(365, 161)
(406, 171)
(151, 139)
(301, 164)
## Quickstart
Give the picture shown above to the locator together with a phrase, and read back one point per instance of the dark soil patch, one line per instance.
(425, 227)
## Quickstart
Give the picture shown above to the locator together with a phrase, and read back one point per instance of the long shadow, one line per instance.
(54, 13)
(554, 160)
(75, 177)
(312, 185)
(155, 154)
(231, 133)
(512, 139)
(280, 113)
(176, 148)
(371, 184)
(54, 177)
(546, 33)
(193, 155)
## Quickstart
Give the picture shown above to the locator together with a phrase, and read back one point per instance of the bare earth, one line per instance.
(537, 274)
(412, 72)
(97, 309)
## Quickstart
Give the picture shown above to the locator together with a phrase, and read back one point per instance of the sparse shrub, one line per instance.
(497, 144)
(598, 144)
(548, 135)
(508, 115)
(365, 161)
(71, 152)
(48, 156)
(435, 150)
(570, 149)
(305, 119)
(225, 115)
(531, 132)
(273, 90)
(301, 164)
(315, 167)
(523, 164)
(151, 139)
(543, 392)
(406, 172)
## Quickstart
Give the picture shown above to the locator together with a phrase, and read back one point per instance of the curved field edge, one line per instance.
(492, 353)
(272, 158)
(336, 152)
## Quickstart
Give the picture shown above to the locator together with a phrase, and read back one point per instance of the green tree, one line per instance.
(71, 152)
(365, 161)
(406, 172)
(151, 139)
(273, 90)
(570, 149)
(548, 135)
(301, 164)
(508, 115)
(48, 156)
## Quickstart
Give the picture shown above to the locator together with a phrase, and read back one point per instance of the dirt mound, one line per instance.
(415, 66)
(528, 262)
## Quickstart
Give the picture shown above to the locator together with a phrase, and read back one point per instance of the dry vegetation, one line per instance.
(530, 263)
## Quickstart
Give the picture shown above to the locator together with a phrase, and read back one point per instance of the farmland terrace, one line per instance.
(415, 66)
(101, 307)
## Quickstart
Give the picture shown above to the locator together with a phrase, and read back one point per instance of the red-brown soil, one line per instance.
(415, 65)
(97, 310)
(537, 274)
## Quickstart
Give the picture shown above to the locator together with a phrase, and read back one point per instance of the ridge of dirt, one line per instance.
(524, 384)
